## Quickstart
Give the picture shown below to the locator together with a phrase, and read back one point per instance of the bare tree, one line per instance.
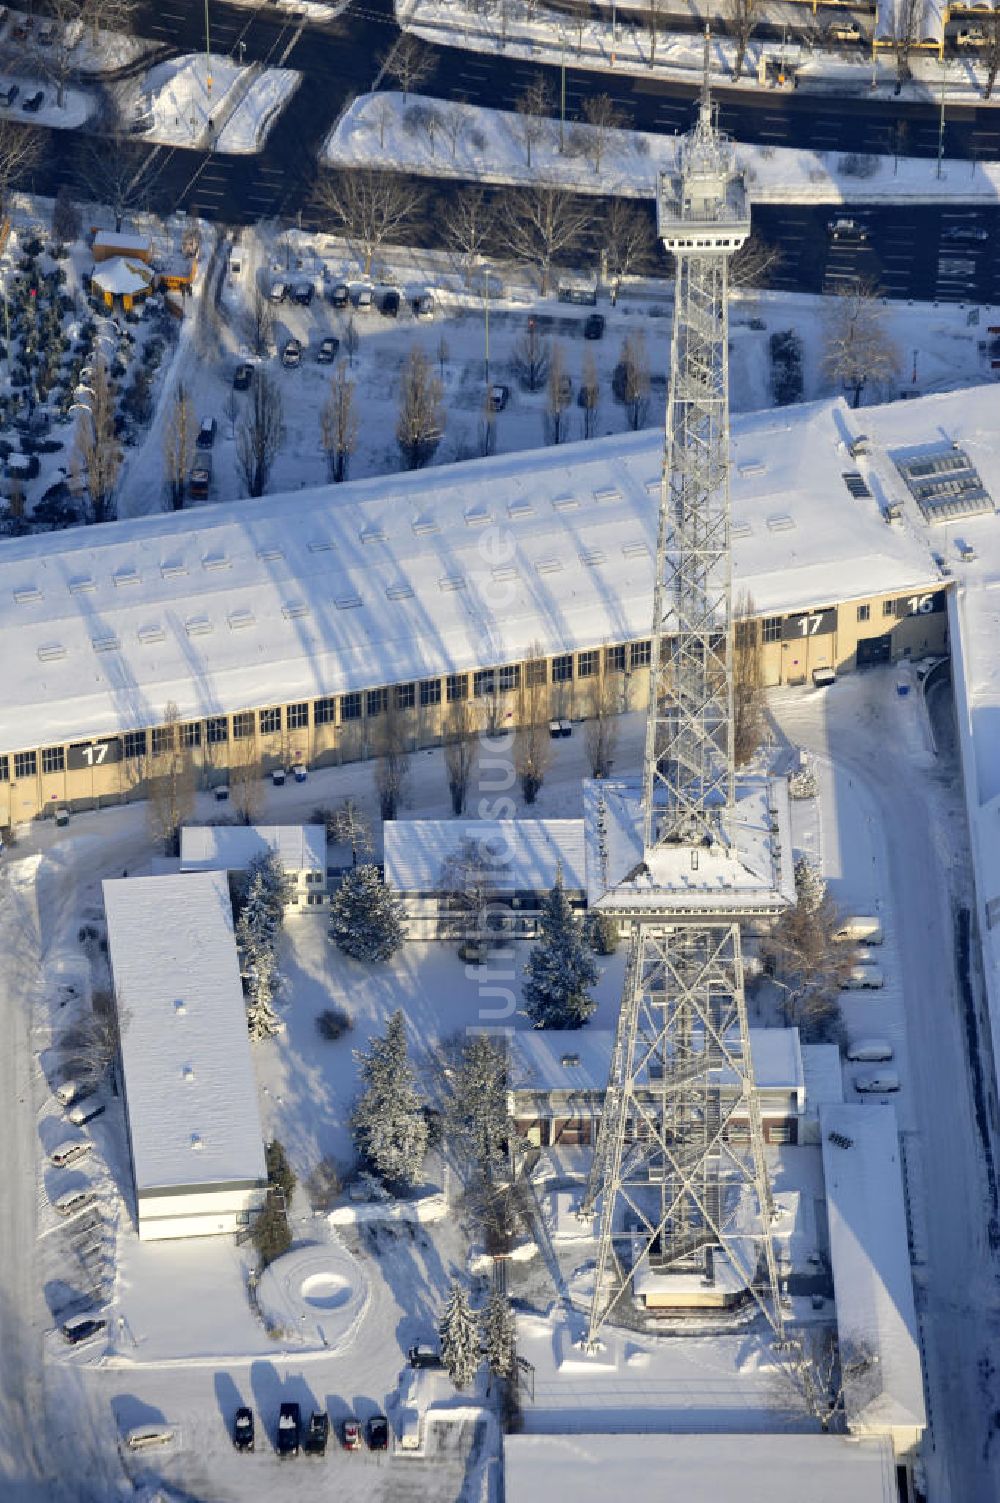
(632, 379)
(469, 221)
(170, 780)
(558, 397)
(179, 430)
(246, 779)
(352, 340)
(392, 766)
(629, 242)
(408, 63)
(89, 1048)
(755, 263)
(65, 216)
(423, 117)
(590, 394)
(741, 17)
(347, 824)
(57, 58)
(487, 427)
(443, 353)
(97, 455)
(990, 22)
(370, 207)
(654, 17)
(459, 732)
(259, 435)
(421, 420)
(112, 165)
(906, 20)
(231, 411)
(542, 224)
(858, 348)
(601, 730)
(532, 111)
(806, 960)
(603, 116)
(748, 680)
(20, 150)
(532, 353)
(259, 323)
(454, 117)
(532, 743)
(808, 1376)
(339, 425)
(468, 883)
(105, 15)
(384, 113)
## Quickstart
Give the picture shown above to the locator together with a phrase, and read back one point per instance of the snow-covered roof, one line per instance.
(189, 1077)
(230, 848)
(876, 1320)
(823, 1076)
(122, 242)
(120, 277)
(556, 1059)
(399, 577)
(751, 872)
(774, 1468)
(519, 855)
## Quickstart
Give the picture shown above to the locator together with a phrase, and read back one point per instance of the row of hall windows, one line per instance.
(218, 729)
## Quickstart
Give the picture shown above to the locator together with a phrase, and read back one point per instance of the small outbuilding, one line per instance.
(123, 279)
(301, 849)
(188, 1082)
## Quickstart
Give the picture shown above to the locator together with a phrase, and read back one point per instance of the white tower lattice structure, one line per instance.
(685, 1202)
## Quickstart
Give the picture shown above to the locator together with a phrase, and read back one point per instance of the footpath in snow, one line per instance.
(227, 108)
(519, 31)
(422, 135)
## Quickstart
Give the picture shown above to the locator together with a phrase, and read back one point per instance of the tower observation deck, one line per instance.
(685, 1205)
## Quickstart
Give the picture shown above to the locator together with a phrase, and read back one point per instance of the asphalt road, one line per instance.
(343, 57)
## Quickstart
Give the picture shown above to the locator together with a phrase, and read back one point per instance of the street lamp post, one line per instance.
(562, 92)
(208, 54)
(940, 150)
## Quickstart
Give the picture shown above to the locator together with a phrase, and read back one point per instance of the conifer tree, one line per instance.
(560, 968)
(459, 1338)
(476, 1115)
(499, 1335)
(366, 918)
(388, 1123)
(257, 931)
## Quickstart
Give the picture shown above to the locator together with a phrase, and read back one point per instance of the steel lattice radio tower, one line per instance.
(685, 1205)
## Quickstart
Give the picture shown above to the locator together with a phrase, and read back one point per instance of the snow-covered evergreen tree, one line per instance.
(388, 1123)
(268, 890)
(810, 888)
(560, 968)
(499, 1335)
(459, 1338)
(476, 1115)
(257, 931)
(366, 918)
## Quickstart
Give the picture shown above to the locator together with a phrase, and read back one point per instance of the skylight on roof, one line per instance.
(592, 556)
(51, 652)
(516, 509)
(348, 602)
(780, 522)
(452, 582)
(373, 534)
(478, 516)
(110, 643)
(321, 545)
(504, 573)
(401, 591)
(270, 555)
(127, 576)
(292, 609)
(740, 530)
(27, 594)
(197, 626)
(173, 568)
(215, 561)
(239, 620)
(424, 526)
(82, 585)
(637, 548)
(149, 634)
(548, 565)
(608, 493)
(565, 503)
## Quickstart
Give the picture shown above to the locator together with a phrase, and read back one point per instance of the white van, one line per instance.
(69, 1151)
(409, 1429)
(69, 1091)
(861, 927)
(148, 1437)
(864, 978)
(870, 1051)
(880, 1082)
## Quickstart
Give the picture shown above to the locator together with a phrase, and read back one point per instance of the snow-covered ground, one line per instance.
(77, 105)
(220, 104)
(516, 31)
(381, 130)
(315, 12)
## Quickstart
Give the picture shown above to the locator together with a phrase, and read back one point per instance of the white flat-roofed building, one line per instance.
(301, 849)
(445, 869)
(869, 1253)
(773, 1468)
(190, 1092)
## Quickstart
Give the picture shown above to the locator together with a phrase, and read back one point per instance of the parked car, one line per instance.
(389, 306)
(870, 1051)
(350, 1434)
(85, 1111)
(365, 299)
(844, 31)
(865, 978)
(83, 1328)
(499, 397)
(33, 102)
(340, 295)
(877, 1082)
(303, 293)
(243, 1438)
(291, 355)
(150, 1437)
(846, 229)
(594, 326)
(242, 377)
(206, 433)
(69, 1151)
(278, 292)
(971, 36)
(317, 1433)
(423, 1355)
(960, 233)
(377, 1433)
(289, 1424)
(8, 94)
(73, 1202)
(327, 351)
(69, 1091)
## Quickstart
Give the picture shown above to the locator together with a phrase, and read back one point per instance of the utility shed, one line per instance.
(876, 1320)
(190, 1092)
(301, 849)
(776, 1468)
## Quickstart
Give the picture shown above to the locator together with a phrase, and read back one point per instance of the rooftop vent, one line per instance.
(569, 1059)
(548, 566)
(83, 585)
(401, 591)
(27, 594)
(127, 576)
(196, 1143)
(782, 522)
(215, 561)
(565, 503)
(149, 634)
(180, 1006)
(424, 526)
(751, 468)
(635, 549)
(51, 652)
(293, 609)
(348, 602)
(321, 545)
(173, 569)
(105, 644)
(740, 530)
(198, 626)
(373, 535)
(608, 493)
(504, 573)
(270, 555)
(592, 557)
(187, 1073)
(518, 509)
(240, 620)
(478, 516)
(449, 582)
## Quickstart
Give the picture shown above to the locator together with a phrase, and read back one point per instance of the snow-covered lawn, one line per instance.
(246, 129)
(77, 105)
(383, 130)
(314, 12)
